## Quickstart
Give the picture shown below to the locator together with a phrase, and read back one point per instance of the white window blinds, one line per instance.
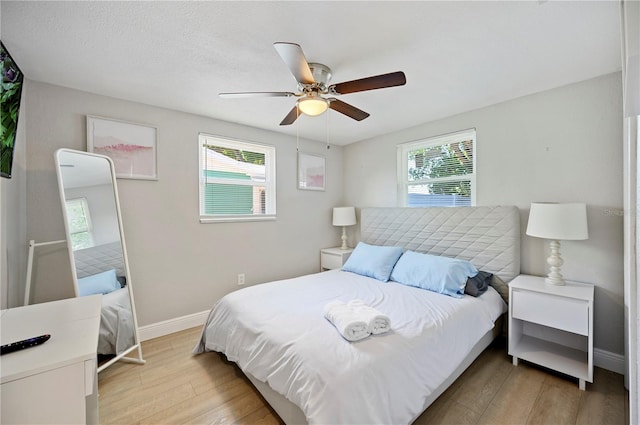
(438, 171)
(237, 180)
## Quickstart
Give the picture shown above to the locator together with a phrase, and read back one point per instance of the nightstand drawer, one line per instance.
(563, 313)
(333, 258)
(330, 261)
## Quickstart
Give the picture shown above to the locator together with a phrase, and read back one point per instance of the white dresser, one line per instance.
(552, 325)
(55, 382)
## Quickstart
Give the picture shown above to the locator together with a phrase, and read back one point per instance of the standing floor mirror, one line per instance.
(97, 249)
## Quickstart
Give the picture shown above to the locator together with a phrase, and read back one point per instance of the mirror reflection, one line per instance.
(96, 247)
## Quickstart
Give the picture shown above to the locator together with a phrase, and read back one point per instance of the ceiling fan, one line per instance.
(313, 80)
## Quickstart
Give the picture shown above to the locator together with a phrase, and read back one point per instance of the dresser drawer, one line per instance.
(558, 312)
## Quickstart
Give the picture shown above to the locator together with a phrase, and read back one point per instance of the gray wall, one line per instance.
(562, 145)
(178, 265)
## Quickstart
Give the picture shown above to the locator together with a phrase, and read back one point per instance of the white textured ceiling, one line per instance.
(457, 56)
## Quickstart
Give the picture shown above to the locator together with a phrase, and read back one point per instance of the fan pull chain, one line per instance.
(297, 129)
(327, 129)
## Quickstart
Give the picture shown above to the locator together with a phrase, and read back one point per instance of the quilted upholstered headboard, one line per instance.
(90, 261)
(488, 237)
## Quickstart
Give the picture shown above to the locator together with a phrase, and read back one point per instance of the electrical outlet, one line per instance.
(241, 279)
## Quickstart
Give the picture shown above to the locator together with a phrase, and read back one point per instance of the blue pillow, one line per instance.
(444, 275)
(373, 261)
(101, 283)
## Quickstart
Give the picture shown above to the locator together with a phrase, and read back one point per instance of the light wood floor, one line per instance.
(174, 387)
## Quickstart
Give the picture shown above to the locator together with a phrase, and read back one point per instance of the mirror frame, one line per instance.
(137, 345)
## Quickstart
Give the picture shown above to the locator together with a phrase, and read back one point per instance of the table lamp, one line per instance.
(557, 222)
(344, 216)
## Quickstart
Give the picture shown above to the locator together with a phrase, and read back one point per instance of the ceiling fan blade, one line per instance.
(293, 57)
(291, 116)
(370, 83)
(256, 94)
(348, 110)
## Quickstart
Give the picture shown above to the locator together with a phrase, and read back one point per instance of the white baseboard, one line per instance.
(608, 360)
(167, 327)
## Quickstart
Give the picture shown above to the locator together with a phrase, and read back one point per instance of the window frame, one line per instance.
(403, 167)
(269, 184)
(87, 218)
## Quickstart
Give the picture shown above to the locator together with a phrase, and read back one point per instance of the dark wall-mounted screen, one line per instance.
(12, 79)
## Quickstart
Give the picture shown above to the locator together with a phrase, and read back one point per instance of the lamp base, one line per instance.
(556, 282)
(344, 238)
(555, 262)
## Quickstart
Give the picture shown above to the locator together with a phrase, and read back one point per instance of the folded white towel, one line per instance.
(378, 322)
(349, 325)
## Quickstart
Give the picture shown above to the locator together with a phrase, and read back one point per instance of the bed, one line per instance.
(116, 321)
(310, 374)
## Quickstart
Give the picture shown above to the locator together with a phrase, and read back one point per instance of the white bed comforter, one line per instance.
(277, 333)
(116, 323)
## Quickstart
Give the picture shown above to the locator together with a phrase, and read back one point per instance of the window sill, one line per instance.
(236, 219)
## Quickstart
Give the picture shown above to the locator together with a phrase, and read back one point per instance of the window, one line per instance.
(79, 223)
(439, 171)
(237, 180)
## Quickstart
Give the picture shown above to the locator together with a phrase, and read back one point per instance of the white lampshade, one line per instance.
(344, 216)
(557, 222)
(565, 222)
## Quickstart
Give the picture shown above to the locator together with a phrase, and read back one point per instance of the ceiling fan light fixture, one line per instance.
(313, 79)
(313, 105)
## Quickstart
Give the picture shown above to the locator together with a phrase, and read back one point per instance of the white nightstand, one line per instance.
(552, 326)
(333, 258)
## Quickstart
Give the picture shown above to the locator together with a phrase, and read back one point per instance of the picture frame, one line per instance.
(311, 172)
(131, 146)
